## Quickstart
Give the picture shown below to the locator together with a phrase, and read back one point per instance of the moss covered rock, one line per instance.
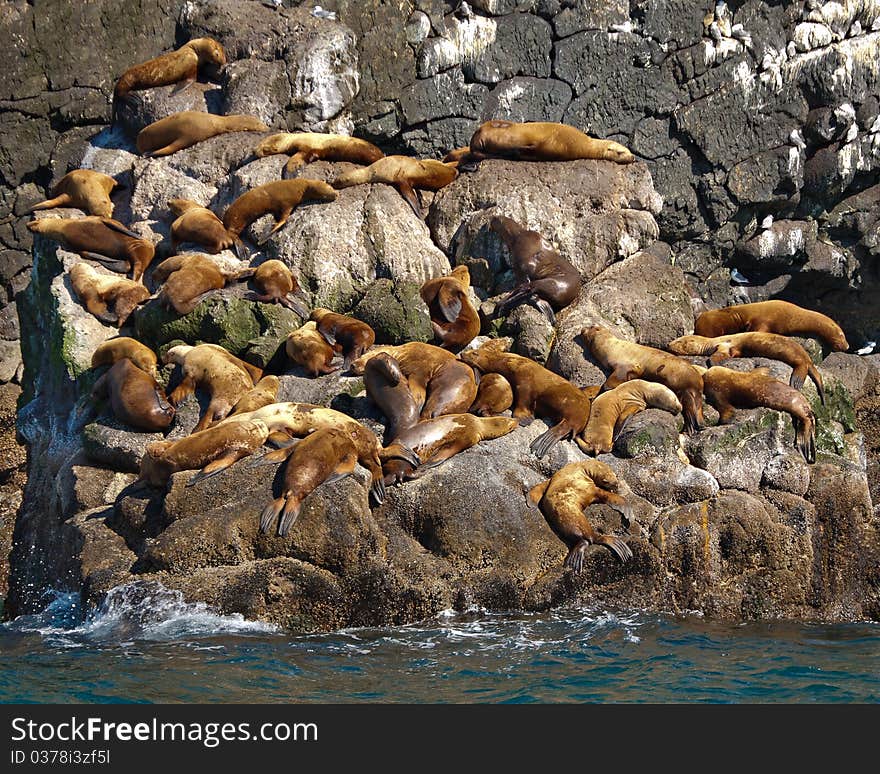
(396, 312)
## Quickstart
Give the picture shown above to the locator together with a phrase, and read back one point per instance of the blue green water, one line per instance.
(153, 647)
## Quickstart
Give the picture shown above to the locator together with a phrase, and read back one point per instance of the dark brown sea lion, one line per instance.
(388, 388)
(108, 352)
(309, 349)
(769, 345)
(439, 382)
(436, 440)
(279, 198)
(536, 392)
(494, 396)
(223, 376)
(306, 147)
(726, 390)
(771, 317)
(562, 500)
(611, 409)
(543, 276)
(326, 455)
(100, 239)
(84, 189)
(135, 397)
(453, 317)
(345, 334)
(173, 133)
(209, 451)
(404, 173)
(98, 292)
(627, 360)
(200, 226)
(277, 285)
(180, 66)
(263, 393)
(538, 141)
(188, 278)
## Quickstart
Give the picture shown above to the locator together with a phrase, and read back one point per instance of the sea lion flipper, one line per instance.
(449, 302)
(409, 195)
(575, 559)
(294, 163)
(289, 515)
(120, 267)
(270, 514)
(617, 547)
(59, 201)
(817, 380)
(217, 466)
(180, 86)
(545, 307)
(290, 301)
(534, 495)
(120, 228)
(241, 252)
(272, 457)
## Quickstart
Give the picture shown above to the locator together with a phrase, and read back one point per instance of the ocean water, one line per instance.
(145, 644)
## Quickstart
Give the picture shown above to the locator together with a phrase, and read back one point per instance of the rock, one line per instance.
(10, 360)
(147, 106)
(531, 331)
(256, 88)
(82, 487)
(527, 99)
(664, 480)
(521, 46)
(858, 375)
(788, 472)
(396, 312)
(649, 433)
(111, 443)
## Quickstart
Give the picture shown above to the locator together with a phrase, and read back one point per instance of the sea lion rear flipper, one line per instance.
(280, 439)
(617, 547)
(817, 380)
(575, 559)
(546, 441)
(119, 228)
(400, 451)
(279, 224)
(449, 302)
(294, 163)
(290, 301)
(544, 307)
(58, 201)
(377, 488)
(120, 267)
(409, 194)
(241, 252)
(289, 515)
(534, 495)
(270, 514)
(619, 504)
(182, 85)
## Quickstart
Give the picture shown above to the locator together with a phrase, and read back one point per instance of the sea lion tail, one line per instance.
(547, 440)
(270, 514)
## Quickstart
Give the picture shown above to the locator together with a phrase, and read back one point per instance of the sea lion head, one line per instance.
(176, 354)
(179, 206)
(209, 51)
(588, 335)
(323, 192)
(618, 153)
(274, 143)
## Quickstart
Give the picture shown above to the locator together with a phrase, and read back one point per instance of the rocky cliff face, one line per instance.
(758, 148)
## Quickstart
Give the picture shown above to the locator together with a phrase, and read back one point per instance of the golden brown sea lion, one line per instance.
(200, 226)
(263, 393)
(439, 382)
(108, 352)
(308, 348)
(771, 317)
(453, 317)
(209, 451)
(456, 155)
(84, 189)
(769, 345)
(306, 147)
(277, 285)
(436, 440)
(611, 409)
(180, 66)
(345, 334)
(188, 278)
(536, 392)
(98, 292)
(99, 239)
(404, 173)
(627, 360)
(388, 388)
(223, 376)
(726, 390)
(562, 500)
(135, 397)
(279, 198)
(173, 133)
(543, 276)
(326, 455)
(494, 396)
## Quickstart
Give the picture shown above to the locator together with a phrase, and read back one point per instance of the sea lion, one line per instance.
(84, 189)
(456, 155)
(300, 419)
(223, 376)
(263, 393)
(307, 147)
(769, 345)
(538, 141)
(404, 173)
(611, 409)
(308, 348)
(388, 388)
(277, 285)
(99, 239)
(108, 352)
(135, 397)
(453, 317)
(209, 451)
(439, 382)
(326, 455)
(99, 291)
(200, 226)
(627, 360)
(188, 278)
(771, 317)
(543, 277)
(562, 499)
(181, 130)
(279, 198)
(436, 440)
(726, 390)
(536, 392)
(345, 334)
(180, 66)
(494, 396)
